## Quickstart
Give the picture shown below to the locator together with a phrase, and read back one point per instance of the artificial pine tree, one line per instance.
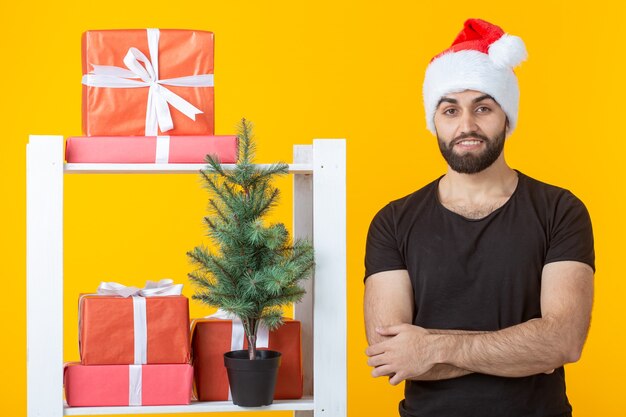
(255, 269)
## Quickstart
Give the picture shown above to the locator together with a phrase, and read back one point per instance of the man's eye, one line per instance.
(449, 111)
(483, 109)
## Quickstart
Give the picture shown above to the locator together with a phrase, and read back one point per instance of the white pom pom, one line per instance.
(508, 52)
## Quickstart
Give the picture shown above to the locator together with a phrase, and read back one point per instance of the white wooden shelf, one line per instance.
(302, 404)
(74, 168)
(319, 214)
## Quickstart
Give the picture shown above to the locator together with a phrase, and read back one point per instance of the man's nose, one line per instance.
(468, 122)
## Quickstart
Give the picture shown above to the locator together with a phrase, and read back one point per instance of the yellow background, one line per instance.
(304, 70)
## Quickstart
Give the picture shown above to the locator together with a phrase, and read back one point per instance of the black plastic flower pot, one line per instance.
(252, 382)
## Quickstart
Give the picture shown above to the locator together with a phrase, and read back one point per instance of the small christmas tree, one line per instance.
(254, 270)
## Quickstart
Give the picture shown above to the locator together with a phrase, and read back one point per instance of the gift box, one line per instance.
(145, 81)
(211, 338)
(150, 150)
(121, 385)
(133, 330)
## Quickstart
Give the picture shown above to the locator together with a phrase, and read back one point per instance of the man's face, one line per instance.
(471, 127)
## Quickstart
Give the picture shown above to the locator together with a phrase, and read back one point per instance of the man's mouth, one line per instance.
(468, 142)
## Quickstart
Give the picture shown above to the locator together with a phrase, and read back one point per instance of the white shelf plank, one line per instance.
(305, 403)
(44, 275)
(330, 287)
(303, 229)
(74, 168)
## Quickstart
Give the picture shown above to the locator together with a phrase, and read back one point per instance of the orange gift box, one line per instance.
(179, 62)
(107, 330)
(211, 338)
(179, 149)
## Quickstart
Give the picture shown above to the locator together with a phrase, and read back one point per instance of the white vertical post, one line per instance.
(329, 231)
(303, 229)
(44, 276)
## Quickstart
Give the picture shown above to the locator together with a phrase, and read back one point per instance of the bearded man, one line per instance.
(478, 286)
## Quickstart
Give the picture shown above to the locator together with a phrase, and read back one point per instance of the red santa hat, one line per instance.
(481, 58)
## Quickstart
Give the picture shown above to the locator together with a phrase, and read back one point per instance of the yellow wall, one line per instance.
(304, 70)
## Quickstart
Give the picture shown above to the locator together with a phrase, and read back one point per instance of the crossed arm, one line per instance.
(403, 351)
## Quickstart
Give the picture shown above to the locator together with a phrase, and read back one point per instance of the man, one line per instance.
(478, 286)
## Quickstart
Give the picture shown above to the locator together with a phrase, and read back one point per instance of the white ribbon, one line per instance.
(158, 114)
(263, 337)
(134, 384)
(162, 150)
(140, 328)
(238, 334)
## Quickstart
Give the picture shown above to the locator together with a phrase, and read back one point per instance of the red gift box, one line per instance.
(142, 81)
(122, 385)
(211, 338)
(150, 150)
(108, 330)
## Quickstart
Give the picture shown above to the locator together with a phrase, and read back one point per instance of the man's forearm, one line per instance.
(442, 370)
(533, 347)
(526, 349)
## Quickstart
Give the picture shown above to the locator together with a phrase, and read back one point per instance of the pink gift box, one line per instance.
(148, 149)
(113, 385)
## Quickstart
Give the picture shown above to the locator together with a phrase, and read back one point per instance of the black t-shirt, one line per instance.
(484, 275)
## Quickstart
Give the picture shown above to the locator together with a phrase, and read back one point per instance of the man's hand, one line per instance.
(406, 354)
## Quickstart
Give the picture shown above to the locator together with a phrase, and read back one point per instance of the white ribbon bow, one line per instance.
(151, 289)
(159, 98)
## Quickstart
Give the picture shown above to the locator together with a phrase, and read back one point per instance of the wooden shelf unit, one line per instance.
(319, 213)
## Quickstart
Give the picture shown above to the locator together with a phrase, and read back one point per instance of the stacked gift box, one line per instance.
(148, 98)
(134, 347)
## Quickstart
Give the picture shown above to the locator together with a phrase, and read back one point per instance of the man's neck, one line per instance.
(487, 189)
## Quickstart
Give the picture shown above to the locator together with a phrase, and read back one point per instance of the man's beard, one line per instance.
(469, 163)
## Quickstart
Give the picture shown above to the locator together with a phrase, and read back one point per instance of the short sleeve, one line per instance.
(571, 234)
(381, 249)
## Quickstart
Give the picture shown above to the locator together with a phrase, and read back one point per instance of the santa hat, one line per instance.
(481, 58)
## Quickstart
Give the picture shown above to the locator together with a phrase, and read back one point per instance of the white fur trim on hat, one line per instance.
(454, 72)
